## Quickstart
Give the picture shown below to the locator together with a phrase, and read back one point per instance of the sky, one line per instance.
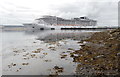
(14, 12)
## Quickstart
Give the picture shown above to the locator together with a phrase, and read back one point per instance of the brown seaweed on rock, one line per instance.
(100, 55)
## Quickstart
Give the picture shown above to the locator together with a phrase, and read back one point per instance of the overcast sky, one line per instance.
(25, 11)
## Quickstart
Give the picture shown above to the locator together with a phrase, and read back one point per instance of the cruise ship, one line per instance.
(54, 23)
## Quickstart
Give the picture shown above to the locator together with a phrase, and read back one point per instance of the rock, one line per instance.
(58, 69)
(34, 42)
(14, 64)
(39, 49)
(45, 53)
(26, 54)
(63, 52)
(47, 60)
(101, 55)
(9, 66)
(16, 51)
(71, 55)
(70, 49)
(63, 56)
(17, 70)
(32, 55)
(35, 51)
(52, 48)
(25, 63)
(80, 42)
(20, 68)
(25, 58)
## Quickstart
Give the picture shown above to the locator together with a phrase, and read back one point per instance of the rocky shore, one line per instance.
(99, 55)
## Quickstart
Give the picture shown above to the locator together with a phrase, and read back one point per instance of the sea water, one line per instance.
(17, 48)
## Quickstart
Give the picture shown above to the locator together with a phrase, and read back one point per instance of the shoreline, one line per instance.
(85, 61)
(99, 55)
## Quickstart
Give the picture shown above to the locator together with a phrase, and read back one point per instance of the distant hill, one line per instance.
(12, 25)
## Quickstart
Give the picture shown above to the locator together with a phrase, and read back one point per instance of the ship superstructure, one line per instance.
(53, 22)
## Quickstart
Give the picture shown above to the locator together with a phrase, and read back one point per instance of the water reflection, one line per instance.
(57, 35)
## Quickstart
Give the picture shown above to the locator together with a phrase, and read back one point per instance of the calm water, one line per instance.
(19, 58)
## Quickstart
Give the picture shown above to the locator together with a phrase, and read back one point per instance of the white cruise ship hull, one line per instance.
(53, 27)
